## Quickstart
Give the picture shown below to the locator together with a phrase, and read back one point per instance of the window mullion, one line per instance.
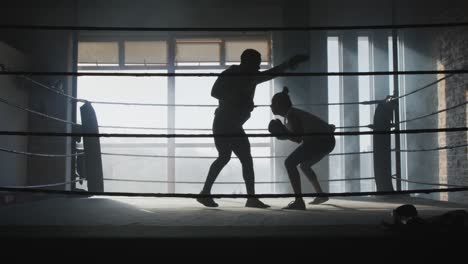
(171, 116)
(222, 52)
(121, 54)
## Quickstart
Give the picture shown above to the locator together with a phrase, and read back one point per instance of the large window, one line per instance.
(188, 55)
(364, 63)
(111, 117)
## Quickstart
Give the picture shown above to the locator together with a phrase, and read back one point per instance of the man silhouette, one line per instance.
(235, 90)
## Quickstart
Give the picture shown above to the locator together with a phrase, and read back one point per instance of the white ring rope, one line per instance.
(431, 184)
(40, 154)
(44, 185)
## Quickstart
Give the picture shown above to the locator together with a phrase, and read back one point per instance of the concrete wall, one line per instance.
(179, 13)
(13, 167)
(453, 54)
(46, 51)
(437, 49)
(57, 57)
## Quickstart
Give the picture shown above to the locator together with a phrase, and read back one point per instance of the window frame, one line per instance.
(172, 67)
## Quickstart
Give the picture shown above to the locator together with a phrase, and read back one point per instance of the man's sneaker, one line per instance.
(319, 200)
(255, 203)
(296, 205)
(208, 202)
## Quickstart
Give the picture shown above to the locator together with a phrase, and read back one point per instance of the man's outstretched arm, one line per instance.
(291, 63)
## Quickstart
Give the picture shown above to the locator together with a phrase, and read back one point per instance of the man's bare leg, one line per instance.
(213, 173)
(242, 150)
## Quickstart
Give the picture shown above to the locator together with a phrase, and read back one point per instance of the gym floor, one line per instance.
(133, 217)
(177, 227)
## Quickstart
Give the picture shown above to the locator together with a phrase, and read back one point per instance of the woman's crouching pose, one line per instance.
(311, 151)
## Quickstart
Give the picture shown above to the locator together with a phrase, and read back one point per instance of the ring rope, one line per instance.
(434, 113)
(276, 157)
(426, 86)
(258, 182)
(42, 186)
(213, 157)
(176, 129)
(431, 184)
(36, 112)
(195, 105)
(54, 90)
(187, 129)
(208, 129)
(271, 74)
(191, 195)
(433, 149)
(182, 105)
(40, 154)
(206, 157)
(230, 135)
(231, 29)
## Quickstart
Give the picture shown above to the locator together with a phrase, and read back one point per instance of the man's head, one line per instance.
(251, 59)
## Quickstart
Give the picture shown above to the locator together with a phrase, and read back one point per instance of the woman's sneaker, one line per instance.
(319, 200)
(296, 205)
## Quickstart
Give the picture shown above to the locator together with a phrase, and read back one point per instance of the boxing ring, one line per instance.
(95, 212)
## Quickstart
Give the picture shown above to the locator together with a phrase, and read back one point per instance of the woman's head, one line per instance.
(280, 103)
